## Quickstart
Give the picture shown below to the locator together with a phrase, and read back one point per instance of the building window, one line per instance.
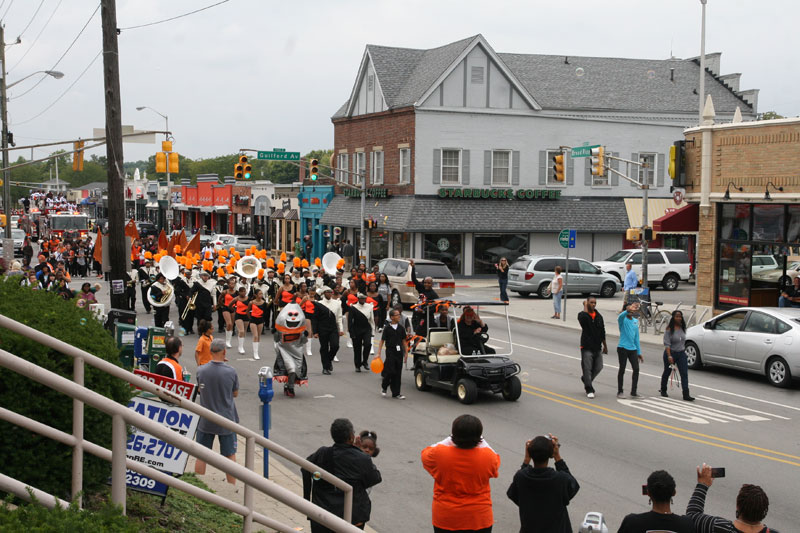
(376, 168)
(647, 169)
(402, 245)
(342, 168)
(405, 165)
(451, 166)
(490, 248)
(501, 167)
(551, 173)
(359, 167)
(444, 247)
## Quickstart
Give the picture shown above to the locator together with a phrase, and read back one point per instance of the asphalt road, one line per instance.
(739, 421)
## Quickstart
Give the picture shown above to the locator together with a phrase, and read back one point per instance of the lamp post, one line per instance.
(8, 242)
(166, 135)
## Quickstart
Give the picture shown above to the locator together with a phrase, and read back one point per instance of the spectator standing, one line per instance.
(629, 349)
(556, 289)
(593, 343)
(218, 384)
(461, 466)
(660, 489)
(675, 354)
(347, 462)
(752, 505)
(630, 282)
(348, 252)
(502, 278)
(298, 249)
(202, 352)
(394, 338)
(543, 493)
(169, 365)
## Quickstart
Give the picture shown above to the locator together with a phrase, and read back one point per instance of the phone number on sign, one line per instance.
(134, 479)
(138, 442)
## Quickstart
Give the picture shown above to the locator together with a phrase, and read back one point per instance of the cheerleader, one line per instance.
(241, 307)
(258, 313)
(228, 297)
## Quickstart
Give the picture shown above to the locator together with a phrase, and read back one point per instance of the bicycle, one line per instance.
(657, 318)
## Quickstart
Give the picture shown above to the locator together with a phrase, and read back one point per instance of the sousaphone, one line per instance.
(329, 262)
(169, 267)
(247, 267)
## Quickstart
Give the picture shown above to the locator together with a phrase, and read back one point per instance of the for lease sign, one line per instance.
(176, 386)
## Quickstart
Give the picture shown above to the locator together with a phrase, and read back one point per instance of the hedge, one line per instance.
(26, 456)
(34, 517)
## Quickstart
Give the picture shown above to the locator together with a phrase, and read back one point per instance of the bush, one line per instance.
(29, 457)
(35, 517)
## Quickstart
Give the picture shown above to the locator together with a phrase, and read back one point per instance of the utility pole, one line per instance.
(118, 256)
(8, 242)
(645, 194)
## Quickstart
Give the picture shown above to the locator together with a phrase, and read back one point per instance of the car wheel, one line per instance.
(524, 294)
(778, 372)
(419, 379)
(396, 299)
(670, 282)
(512, 389)
(693, 359)
(608, 290)
(466, 391)
(544, 291)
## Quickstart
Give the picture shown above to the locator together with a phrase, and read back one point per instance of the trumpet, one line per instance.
(190, 306)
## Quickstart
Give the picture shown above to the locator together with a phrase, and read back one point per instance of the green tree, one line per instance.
(769, 115)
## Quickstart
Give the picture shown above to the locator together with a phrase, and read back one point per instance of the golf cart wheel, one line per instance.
(512, 389)
(544, 291)
(419, 379)
(466, 391)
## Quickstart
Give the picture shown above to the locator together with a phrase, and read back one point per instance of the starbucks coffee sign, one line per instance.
(500, 194)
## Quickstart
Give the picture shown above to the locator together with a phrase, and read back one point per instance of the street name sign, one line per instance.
(276, 155)
(583, 151)
(567, 238)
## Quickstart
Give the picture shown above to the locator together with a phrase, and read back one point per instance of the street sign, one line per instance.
(583, 151)
(568, 238)
(279, 156)
(677, 195)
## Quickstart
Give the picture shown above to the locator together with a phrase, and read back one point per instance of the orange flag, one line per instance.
(182, 240)
(162, 241)
(131, 231)
(98, 248)
(194, 244)
(171, 246)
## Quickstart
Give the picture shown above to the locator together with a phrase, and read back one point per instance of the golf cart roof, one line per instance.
(476, 303)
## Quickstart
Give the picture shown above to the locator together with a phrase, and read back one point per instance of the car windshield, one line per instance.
(618, 257)
(66, 222)
(522, 264)
(17, 234)
(433, 270)
(248, 242)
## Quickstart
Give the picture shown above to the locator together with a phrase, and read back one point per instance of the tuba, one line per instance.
(329, 262)
(247, 267)
(169, 267)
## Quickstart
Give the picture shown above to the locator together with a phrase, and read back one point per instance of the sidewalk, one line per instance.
(278, 473)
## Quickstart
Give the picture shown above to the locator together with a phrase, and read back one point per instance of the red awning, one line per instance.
(681, 220)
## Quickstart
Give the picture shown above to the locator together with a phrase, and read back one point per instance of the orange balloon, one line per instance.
(376, 365)
(283, 256)
(260, 273)
(270, 263)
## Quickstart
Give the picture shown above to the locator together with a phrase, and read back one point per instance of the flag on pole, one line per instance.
(194, 244)
(163, 243)
(98, 248)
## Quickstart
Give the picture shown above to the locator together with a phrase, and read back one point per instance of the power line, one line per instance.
(173, 18)
(43, 111)
(6, 12)
(28, 25)
(62, 55)
(36, 39)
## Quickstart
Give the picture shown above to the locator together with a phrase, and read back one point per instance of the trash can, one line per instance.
(124, 334)
(156, 348)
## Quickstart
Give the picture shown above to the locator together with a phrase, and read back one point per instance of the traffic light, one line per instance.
(166, 146)
(161, 162)
(313, 172)
(648, 234)
(598, 162)
(248, 171)
(173, 162)
(558, 166)
(633, 234)
(77, 157)
(677, 163)
(242, 170)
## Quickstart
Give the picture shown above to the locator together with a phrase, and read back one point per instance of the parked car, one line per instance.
(221, 240)
(762, 340)
(146, 229)
(533, 273)
(664, 267)
(18, 236)
(245, 242)
(777, 276)
(399, 274)
(761, 263)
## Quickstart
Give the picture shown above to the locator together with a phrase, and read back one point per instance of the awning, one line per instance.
(206, 208)
(221, 208)
(152, 205)
(180, 207)
(278, 213)
(680, 221)
(291, 214)
(656, 208)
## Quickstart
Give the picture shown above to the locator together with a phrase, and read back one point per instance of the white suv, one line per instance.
(664, 267)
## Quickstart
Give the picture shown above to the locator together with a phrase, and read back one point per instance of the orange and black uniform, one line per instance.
(227, 302)
(258, 313)
(170, 368)
(241, 308)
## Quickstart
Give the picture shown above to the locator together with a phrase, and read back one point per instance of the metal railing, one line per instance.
(121, 416)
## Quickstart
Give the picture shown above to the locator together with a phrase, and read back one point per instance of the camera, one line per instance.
(718, 472)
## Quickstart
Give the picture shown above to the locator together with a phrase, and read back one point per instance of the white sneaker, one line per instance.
(621, 395)
(335, 358)
(637, 396)
(350, 344)
(590, 395)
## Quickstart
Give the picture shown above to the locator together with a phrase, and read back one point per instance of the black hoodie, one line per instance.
(542, 495)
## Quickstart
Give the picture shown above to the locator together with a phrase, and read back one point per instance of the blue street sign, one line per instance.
(573, 237)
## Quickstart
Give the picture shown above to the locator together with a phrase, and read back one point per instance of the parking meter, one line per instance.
(265, 393)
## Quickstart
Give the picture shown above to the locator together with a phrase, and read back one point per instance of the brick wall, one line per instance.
(386, 129)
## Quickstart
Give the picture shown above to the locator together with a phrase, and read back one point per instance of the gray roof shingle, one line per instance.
(429, 213)
(559, 82)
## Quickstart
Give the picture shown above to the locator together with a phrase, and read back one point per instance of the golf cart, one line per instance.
(464, 374)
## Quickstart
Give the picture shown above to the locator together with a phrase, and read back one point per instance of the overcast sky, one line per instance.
(263, 74)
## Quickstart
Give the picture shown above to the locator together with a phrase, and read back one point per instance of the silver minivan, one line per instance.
(533, 273)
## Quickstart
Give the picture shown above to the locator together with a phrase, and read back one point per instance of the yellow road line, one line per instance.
(618, 416)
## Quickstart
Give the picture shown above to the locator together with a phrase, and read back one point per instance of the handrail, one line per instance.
(251, 436)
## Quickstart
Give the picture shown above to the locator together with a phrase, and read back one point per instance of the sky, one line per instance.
(263, 74)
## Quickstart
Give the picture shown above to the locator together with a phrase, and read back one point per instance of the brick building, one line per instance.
(743, 179)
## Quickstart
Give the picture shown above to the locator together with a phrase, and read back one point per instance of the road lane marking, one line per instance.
(657, 426)
(694, 385)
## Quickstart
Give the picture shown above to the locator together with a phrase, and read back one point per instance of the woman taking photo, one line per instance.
(257, 314)
(675, 354)
(502, 278)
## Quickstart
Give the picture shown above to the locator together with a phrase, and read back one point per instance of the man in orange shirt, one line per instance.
(202, 353)
(461, 466)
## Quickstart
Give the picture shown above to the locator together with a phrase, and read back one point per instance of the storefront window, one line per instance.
(768, 222)
(378, 245)
(734, 274)
(489, 248)
(444, 247)
(402, 245)
(793, 228)
(735, 223)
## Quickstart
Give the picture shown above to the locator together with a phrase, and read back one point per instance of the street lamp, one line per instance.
(8, 242)
(169, 181)
(162, 115)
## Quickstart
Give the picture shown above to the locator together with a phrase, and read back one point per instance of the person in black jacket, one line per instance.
(593, 343)
(661, 490)
(394, 338)
(347, 462)
(423, 311)
(543, 493)
(470, 333)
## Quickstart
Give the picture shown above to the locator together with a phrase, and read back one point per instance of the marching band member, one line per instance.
(258, 313)
(159, 290)
(130, 288)
(183, 291)
(205, 294)
(228, 297)
(241, 306)
(222, 286)
(146, 275)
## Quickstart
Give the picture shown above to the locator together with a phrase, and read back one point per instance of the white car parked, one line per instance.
(664, 267)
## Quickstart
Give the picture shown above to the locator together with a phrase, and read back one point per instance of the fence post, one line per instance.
(119, 444)
(250, 464)
(77, 432)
